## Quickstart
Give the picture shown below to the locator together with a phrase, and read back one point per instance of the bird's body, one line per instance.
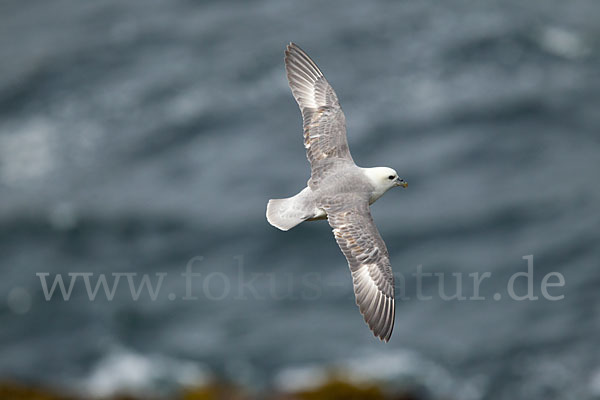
(340, 192)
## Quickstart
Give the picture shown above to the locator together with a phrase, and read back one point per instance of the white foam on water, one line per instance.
(292, 379)
(396, 369)
(26, 152)
(563, 43)
(128, 372)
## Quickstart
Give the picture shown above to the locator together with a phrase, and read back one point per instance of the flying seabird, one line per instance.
(339, 191)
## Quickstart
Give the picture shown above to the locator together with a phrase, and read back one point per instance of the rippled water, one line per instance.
(137, 135)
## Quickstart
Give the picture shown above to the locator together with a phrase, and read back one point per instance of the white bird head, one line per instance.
(383, 179)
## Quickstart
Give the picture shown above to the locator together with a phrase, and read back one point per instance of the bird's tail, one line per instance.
(287, 213)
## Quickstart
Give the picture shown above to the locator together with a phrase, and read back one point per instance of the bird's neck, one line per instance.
(376, 194)
(373, 176)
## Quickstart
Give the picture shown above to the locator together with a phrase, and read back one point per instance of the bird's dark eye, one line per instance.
(391, 177)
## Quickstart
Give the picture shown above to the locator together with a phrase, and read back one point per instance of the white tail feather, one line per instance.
(281, 214)
(287, 213)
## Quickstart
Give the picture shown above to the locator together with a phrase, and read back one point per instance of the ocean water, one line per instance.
(145, 137)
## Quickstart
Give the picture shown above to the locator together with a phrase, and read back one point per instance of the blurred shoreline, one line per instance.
(333, 389)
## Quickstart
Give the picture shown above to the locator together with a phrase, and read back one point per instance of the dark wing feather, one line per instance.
(368, 259)
(323, 119)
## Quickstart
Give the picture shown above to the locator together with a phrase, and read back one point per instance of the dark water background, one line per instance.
(137, 135)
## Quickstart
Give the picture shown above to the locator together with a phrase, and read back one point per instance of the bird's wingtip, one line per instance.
(383, 338)
(291, 47)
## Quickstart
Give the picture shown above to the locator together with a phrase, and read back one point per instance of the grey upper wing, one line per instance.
(368, 259)
(323, 119)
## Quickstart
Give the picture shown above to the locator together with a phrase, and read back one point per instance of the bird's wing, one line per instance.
(368, 259)
(323, 119)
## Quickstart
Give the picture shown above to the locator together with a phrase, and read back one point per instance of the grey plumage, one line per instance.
(338, 190)
(368, 259)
